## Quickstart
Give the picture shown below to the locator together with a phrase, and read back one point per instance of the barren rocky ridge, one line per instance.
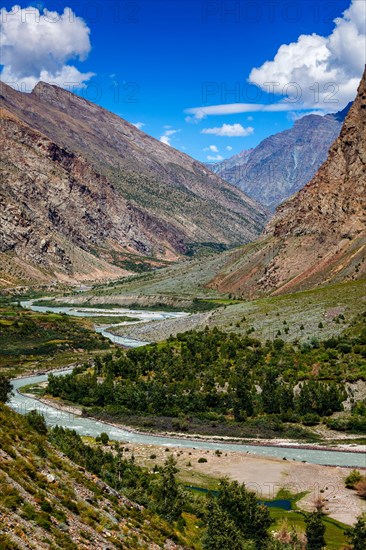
(81, 187)
(318, 235)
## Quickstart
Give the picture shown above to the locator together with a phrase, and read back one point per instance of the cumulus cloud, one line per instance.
(217, 158)
(229, 130)
(139, 125)
(325, 70)
(212, 148)
(166, 137)
(37, 45)
(229, 148)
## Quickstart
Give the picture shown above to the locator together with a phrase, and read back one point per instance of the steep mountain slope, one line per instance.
(283, 163)
(48, 501)
(319, 235)
(82, 188)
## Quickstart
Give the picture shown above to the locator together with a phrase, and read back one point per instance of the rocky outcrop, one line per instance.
(283, 163)
(319, 235)
(82, 191)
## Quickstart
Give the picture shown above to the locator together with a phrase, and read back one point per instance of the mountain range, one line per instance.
(318, 235)
(86, 195)
(284, 162)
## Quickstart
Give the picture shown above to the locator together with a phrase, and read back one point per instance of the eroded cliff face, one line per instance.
(62, 217)
(100, 184)
(319, 235)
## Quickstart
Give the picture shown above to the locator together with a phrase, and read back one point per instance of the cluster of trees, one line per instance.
(207, 372)
(28, 333)
(233, 519)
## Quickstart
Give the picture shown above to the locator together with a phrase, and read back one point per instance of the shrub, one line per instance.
(310, 419)
(104, 437)
(36, 420)
(354, 477)
(201, 460)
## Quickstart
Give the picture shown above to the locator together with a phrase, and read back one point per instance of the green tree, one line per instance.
(168, 494)
(5, 389)
(104, 437)
(36, 420)
(221, 532)
(315, 530)
(357, 535)
(241, 507)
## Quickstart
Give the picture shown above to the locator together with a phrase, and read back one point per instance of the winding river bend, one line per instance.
(88, 426)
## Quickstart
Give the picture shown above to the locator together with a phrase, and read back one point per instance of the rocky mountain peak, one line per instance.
(335, 199)
(283, 163)
(319, 235)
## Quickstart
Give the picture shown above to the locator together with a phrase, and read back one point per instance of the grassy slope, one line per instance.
(307, 308)
(269, 315)
(30, 340)
(72, 511)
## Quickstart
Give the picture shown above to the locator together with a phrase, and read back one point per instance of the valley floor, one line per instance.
(265, 475)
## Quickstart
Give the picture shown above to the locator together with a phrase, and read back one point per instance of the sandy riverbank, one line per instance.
(264, 475)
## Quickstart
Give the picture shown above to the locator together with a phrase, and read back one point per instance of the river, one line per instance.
(88, 426)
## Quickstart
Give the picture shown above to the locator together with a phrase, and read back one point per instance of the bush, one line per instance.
(201, 460)
(354, 477)
(36, 420)
(310, 419)
(104, 437)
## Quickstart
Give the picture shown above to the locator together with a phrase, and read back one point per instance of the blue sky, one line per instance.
(153, 60)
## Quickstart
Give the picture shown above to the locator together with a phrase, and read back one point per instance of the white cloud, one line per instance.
(139, 125)
(229, 148)
(294, 115)
(171, 132)
(36, 45)
(325, 69)
(250, 118)
(166, 137)
(211, 148)
(217, 158)
(229, 130)
(200, 113)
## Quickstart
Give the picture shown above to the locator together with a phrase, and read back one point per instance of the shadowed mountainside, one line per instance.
(84, 191)
(317, 236)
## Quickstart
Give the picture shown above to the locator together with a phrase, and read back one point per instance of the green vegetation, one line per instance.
(201, 249)
(5, 388)
(31, 340)
(357, 535)
(44, 496)
(235, 520)
(237, 385)
(315, 531)
(68, 502)
(354, 477)
(195, 306)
